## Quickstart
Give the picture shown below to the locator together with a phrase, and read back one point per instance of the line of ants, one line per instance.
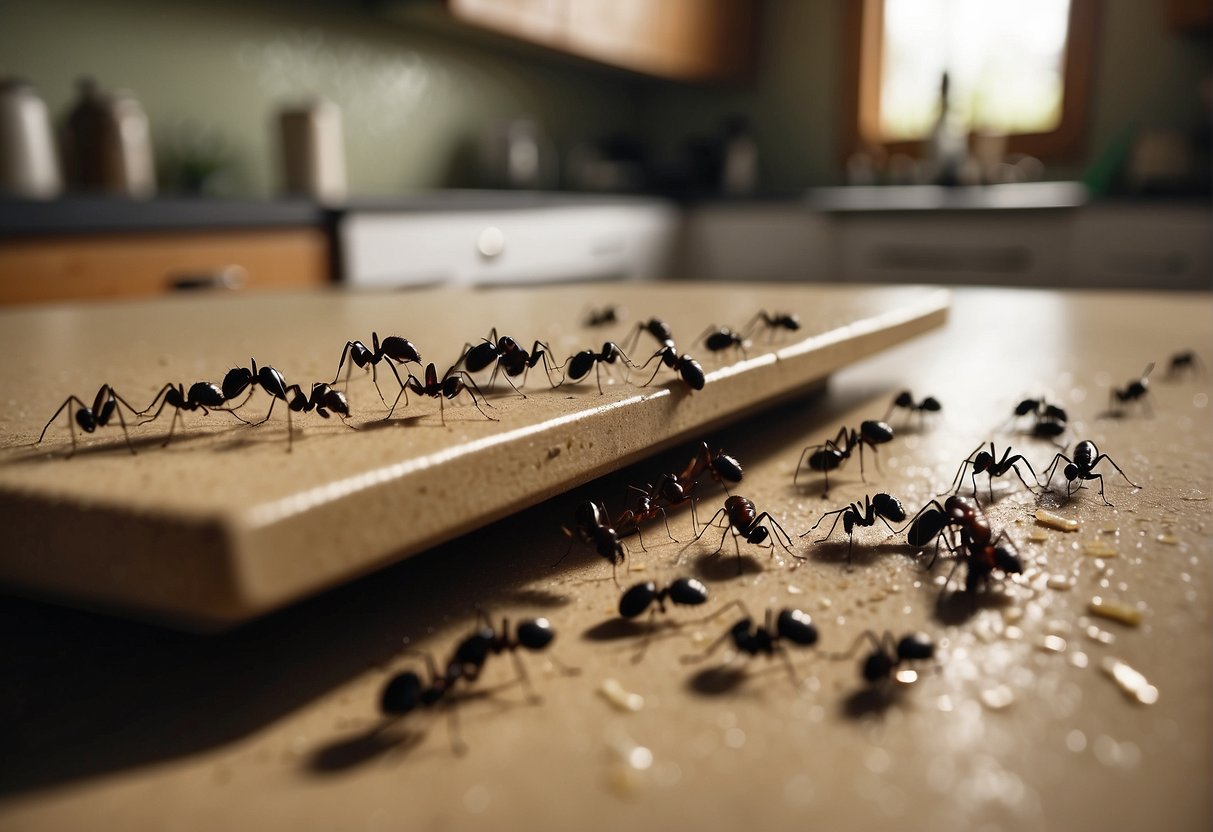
(503, 354)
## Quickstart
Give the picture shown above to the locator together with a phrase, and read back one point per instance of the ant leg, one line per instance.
(375, 380)
(800, 463)
(525, 679)
(707, 525)
(290, 430)
(787, 662)
(1052, 469)
(655, 372)
(692, 659)
(648, 637)
(598, 376)
(470, 385)
(458, 746)
(171, 426)
(163, 392)
(1097, 459)
(957, 480)
(866, 634)
(566, 551)
(775, 525)
(1101, 494)
(669, 534)
(66, 402)
(344, 354)
(837, 514)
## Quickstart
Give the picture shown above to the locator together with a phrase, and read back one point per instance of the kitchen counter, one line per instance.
(1013, 725)
(97, 214)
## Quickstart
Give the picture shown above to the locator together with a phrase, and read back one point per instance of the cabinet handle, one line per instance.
(491, 242)
(233, 276)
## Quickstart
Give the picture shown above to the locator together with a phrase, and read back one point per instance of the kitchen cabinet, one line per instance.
(132, 264)
(549, 241)
(687, 40)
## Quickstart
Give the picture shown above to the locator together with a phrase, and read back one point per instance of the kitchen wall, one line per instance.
(415, 101)
(1146, 76)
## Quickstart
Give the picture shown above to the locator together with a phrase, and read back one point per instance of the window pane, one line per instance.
(1004, 61)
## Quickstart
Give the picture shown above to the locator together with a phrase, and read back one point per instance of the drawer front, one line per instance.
(1029, 249)
(519, 246)
(130, 265)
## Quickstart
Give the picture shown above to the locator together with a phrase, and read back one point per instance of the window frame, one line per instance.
(864, 31)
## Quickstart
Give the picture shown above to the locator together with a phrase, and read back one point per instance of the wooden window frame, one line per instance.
(861, 94)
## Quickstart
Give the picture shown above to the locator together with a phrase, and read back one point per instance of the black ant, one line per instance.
(323, 398)
(686, 592)
(987, 462)
(905, 401)
(203, 395)
(745, 521)
(505, 352)
(831, 454)
(768, 640)
(1050, 420)
(270, 380)
(772, 322)
(453, 383)
(105, 407)
(592, 526)
(656, 327)
(686, 366)
(602, 317)
(719, 339)
(395, 349)
(883, 506)
(405, 691)
(1186, 361)
(579, 365)
(889, 653)
(1136, 390)
(1081, 467)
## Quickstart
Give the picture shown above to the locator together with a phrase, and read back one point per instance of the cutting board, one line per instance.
(228, 521)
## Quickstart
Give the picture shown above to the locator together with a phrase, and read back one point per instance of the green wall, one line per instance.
(414, 100)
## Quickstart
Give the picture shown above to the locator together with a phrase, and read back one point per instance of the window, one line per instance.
(1019, 68)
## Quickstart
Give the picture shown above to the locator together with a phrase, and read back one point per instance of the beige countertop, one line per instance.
(1014, 725)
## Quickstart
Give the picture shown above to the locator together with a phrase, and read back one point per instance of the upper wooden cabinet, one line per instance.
(686, 40)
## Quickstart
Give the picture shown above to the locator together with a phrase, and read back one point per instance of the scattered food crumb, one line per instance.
(1053, 644)
(1062, 582)
(619, 698)
(1056, 521)
(1102, 636)
(1131, 681)
(794, 590)
(1099, 549)
(1168, 539)
(996, 699)
(1115, 611)
(1038, 536)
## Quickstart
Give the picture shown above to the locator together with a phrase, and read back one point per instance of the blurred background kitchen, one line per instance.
(148, 147)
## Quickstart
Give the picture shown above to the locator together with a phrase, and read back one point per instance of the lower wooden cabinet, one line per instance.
(94, 266)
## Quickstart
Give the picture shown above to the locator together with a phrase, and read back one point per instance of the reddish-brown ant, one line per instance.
(745, 521)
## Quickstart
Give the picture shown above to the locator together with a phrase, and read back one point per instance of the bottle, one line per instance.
(946, 145)
(29, 167)
(313, 150)
(108, 144)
